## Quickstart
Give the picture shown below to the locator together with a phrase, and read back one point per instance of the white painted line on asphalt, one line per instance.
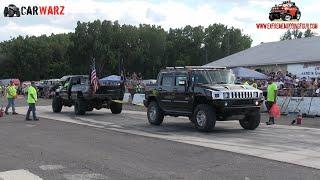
(30, 125)
(99, 122)
(84, 176)
(51, 167)
(18, 175)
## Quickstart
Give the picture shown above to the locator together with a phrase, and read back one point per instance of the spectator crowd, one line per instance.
(289, 84)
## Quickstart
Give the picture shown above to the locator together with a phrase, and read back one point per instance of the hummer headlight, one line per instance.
(261, 94)
(215, 95)
(226, 95)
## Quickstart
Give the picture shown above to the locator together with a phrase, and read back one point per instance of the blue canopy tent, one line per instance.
(246, 73)
(110, 80)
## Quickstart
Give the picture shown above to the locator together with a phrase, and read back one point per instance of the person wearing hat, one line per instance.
(11, 96)
(31, 100)
(272, 91)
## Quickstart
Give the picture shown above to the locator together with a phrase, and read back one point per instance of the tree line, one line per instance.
(145, 49)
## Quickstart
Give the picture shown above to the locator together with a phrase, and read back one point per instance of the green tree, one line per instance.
(297, 34)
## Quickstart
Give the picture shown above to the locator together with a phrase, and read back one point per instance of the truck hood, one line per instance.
(227, 87)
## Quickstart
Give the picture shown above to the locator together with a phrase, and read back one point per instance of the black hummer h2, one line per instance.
(77, 90)
(205, 95)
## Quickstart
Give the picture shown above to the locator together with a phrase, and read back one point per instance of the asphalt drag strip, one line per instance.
(290, 144)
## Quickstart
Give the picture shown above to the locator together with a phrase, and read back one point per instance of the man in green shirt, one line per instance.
(272, 91)
(31, 100)
(11, 96)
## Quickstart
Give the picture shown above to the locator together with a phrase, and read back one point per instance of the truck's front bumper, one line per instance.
(236, 109)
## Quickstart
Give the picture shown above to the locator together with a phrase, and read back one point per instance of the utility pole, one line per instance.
(204, 46)
(206, 49)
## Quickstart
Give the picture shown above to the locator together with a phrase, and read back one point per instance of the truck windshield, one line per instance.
(213, 77)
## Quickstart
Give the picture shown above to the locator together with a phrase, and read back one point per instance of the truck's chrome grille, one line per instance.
(243, 95)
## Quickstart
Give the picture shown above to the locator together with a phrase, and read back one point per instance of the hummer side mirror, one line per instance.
(182, 83)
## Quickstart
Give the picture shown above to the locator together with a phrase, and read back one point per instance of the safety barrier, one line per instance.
(306, 105)
(138, 99)
(127, 98)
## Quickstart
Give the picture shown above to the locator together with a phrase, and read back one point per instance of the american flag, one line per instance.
(94, 78)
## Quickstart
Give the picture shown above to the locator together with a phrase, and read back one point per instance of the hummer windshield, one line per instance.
(213, 77)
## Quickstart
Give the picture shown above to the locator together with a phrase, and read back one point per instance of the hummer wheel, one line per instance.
(155, 114)
(204, 118)
(251, 121)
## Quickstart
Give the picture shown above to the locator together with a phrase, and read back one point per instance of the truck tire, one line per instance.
(204, 118)
(251, 121)
(10, 12)
(271, 17)
(116, 108)
(6, 12)
(298, 16)
(80, 106)
(155, 114)
(18, 13)
(286, 17)
(90, 109)
(56, 105)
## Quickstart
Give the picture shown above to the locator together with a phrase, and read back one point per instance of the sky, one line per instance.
(242, 14)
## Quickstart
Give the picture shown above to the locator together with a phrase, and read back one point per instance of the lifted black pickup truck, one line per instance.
(76, 90)
(205, 95)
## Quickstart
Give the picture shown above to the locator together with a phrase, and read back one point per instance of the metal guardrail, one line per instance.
(298, 92)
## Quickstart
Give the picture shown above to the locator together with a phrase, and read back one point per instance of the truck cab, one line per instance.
(205, 95)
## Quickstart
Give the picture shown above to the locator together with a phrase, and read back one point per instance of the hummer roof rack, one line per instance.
(204, 67)
(195, 67)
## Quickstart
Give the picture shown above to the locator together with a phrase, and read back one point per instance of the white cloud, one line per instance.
(12, 30)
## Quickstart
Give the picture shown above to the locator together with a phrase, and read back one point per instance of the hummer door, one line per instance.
(182, 101)
(165, 91)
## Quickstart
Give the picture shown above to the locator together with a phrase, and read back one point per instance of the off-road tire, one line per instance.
(18, 14)
(155, 114)
(271, 17)
(80, 106)
(10, 12)
(116, 108)
(283, 17)
(6, 12)
(251, 121)
(57, 104)
(208, 117)
(298, 17)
